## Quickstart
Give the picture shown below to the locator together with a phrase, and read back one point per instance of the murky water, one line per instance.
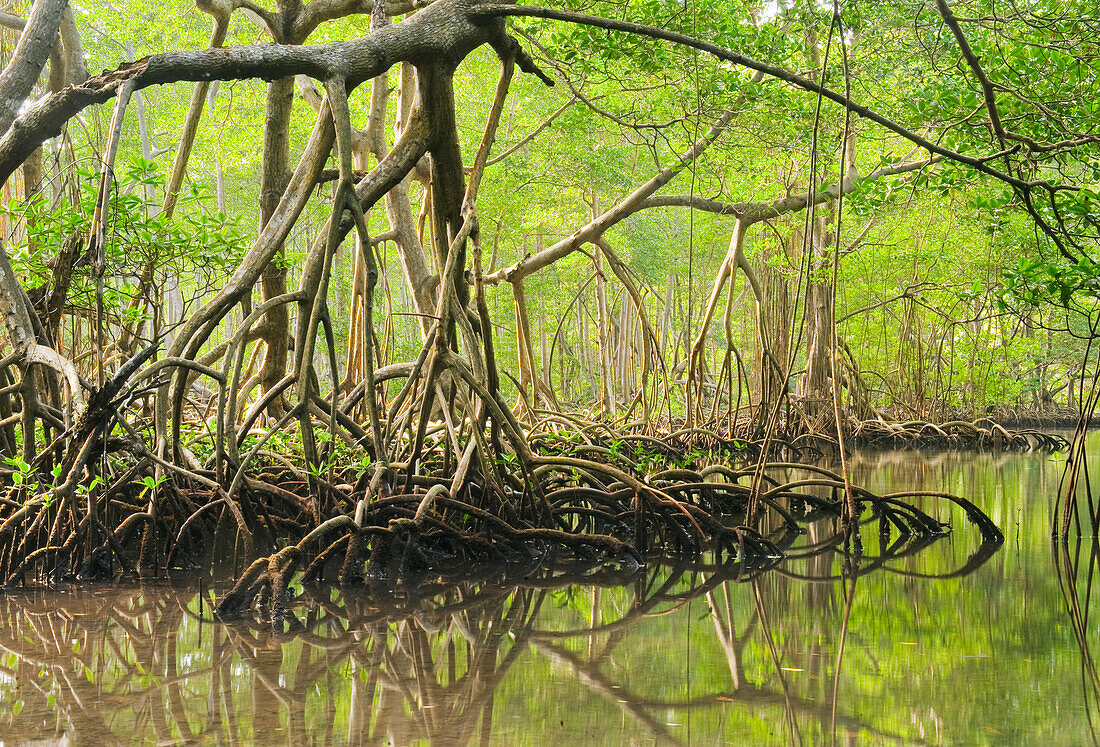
(921, 648)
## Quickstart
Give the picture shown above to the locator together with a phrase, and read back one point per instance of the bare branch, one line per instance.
(754, 212)
(12, 21)
(622, 209)
(30, 55)
(319, 11)
(533, 134)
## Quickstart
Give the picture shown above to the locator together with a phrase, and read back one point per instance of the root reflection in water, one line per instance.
(555, 650)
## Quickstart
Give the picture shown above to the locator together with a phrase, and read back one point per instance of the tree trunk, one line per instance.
(275, 329)
(817, 392)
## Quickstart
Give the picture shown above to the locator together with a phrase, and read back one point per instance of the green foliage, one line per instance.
(1036, 281)
(643, 103)
(23, 476)
(194, 246)
(148, 484)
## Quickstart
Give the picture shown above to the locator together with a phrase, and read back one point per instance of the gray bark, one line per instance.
(29, 58)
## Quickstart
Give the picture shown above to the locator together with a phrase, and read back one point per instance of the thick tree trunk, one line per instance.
(275, 330)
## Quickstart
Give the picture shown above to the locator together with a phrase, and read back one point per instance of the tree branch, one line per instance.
(625, 207)
(754, 212)
(976, 67)
(493, 10)
(442, 32)
(30, 55)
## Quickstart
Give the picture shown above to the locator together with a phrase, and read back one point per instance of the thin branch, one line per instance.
(754, 212)
(533, 134)
(622, 209)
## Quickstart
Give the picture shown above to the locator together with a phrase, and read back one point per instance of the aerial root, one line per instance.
(982, 434)
(600, 500)
(595, 521)
(451, 479)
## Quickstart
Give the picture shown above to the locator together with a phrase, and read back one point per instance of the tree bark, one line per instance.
(29, 58)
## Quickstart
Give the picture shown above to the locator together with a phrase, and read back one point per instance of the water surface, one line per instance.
(914, 649)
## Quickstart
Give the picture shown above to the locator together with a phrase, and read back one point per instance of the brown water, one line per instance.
(912, 653)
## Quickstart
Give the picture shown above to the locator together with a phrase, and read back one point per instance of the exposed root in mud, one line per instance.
(447, 476)
(679, 444)
(450, 494)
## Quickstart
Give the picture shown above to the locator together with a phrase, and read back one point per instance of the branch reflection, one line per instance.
(676, 652)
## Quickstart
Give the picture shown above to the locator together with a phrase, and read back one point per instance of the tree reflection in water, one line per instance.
(1078, 562)
(445, 661)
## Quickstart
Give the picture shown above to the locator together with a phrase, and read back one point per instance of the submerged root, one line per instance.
(711, 516)
(982, 434)
(450, 480)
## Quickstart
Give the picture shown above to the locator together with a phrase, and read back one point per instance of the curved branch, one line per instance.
(442, 32)
(319, 11)
(754, 212)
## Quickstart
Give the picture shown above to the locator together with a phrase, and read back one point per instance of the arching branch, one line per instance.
(440, 32)
(737, 58)
(754, 212)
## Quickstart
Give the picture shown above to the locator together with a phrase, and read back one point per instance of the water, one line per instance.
(928, 656)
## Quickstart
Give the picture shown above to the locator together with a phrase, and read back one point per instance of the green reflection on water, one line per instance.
(987, 658)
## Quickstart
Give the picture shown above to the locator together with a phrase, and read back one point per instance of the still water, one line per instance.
(920, 648)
